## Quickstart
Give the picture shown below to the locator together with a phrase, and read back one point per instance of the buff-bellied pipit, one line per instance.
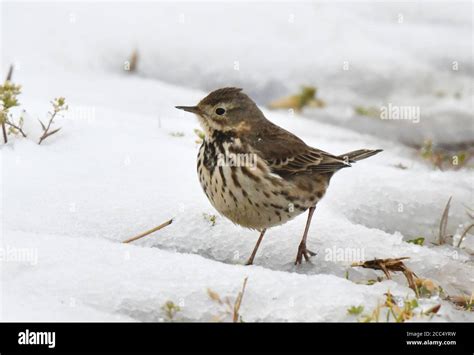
(254, 172)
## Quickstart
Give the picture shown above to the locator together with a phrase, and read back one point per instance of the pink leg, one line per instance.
(302, 250)
(250, 261)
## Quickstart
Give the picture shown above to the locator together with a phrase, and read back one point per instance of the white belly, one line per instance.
(249, 195)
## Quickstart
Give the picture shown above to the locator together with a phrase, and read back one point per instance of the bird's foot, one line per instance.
(303, 252)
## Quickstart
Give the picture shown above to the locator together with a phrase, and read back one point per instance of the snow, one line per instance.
(117, 169)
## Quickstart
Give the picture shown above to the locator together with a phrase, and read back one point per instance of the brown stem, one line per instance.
(4, 130)
(144, 234)
(46, 132)
(10, 73)
(19, 129)
(464, 234)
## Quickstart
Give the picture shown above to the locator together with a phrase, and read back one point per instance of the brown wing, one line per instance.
(287, 154)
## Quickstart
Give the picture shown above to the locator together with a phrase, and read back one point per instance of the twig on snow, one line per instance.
(144, 234)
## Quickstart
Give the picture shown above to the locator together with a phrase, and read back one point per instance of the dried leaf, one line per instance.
(52, 132)
(214, 296)
(464, 234)
(427, 288)
(42, 125)
(433, 310)
(443, 223)
(390, 265)
(465, 302)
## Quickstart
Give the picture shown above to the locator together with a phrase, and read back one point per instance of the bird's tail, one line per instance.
(360, 154)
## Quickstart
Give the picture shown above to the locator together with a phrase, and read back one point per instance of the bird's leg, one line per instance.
(250, 260)
(302, 250)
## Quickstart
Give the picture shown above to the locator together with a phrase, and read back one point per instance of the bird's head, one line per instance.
(226, 110)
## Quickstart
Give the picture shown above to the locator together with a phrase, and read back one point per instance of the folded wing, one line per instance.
(286, 154)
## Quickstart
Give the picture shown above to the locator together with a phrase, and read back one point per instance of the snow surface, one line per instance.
(117, 168)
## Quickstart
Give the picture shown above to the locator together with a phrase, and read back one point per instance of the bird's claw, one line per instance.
(303, 252)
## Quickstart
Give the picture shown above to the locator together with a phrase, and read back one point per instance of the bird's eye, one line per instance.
(220, 111)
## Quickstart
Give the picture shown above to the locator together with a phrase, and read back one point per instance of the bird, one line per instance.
(257, 174)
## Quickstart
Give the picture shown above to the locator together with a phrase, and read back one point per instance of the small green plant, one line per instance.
(307, 97)
(444, 159)
(441, 93)
(212, 218)
(373, 282)
(417, 241)
(355, 311)
(59, 105)
(367, 111)
(170, 309)
(15, 128)
(9, 93)
(8, 99)
(398, 313)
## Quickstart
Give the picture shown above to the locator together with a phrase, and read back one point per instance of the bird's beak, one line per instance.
(193, 109)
